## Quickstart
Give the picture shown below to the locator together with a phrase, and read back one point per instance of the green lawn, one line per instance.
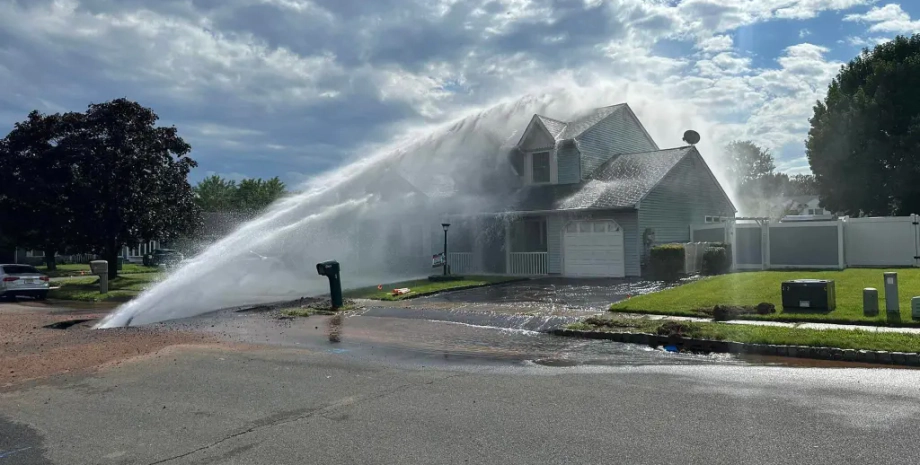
(751, 288)
(121, 289)
(75, 269)
(839, 338)
(420, 287)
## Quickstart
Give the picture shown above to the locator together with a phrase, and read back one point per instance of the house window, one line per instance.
(541, 167)
(713, 219)
(35, 253)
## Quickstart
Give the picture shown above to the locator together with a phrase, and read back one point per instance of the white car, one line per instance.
(22, 280)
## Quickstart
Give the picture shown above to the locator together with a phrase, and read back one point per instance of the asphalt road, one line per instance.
(371, 400)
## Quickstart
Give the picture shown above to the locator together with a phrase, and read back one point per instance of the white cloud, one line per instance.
(865, 41)
(889, 18)
(715, 43)
(803, 33)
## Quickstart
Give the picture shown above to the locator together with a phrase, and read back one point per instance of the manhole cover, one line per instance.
(68, 323)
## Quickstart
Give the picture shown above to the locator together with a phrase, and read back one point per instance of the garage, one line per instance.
(593, 249)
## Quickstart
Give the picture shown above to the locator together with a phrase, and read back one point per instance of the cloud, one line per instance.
(299, 86)
(803, 33)
(889, 18)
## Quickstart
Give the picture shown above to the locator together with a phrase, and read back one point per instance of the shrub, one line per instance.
(667, 261)
(716, 260)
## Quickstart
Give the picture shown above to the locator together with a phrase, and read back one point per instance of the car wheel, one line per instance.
(41, 295)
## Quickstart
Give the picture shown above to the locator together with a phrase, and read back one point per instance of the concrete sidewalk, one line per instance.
(783, 324)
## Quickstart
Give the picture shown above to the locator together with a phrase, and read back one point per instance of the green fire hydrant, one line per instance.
(330, 270)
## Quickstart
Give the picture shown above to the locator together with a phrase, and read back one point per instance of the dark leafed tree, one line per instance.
(747, 163)
(36, 181)
(253, 195)
(131, 184)
(864, 142)
(215, 194)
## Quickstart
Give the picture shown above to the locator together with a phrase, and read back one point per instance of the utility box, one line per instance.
(809, 294)
(99, 267)
(915, 308)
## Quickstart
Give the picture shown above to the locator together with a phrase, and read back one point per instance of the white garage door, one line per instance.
(593, 248)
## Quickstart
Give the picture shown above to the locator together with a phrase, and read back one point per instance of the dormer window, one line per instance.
(541, 168)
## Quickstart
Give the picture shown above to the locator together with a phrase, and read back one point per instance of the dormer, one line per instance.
(538, 162)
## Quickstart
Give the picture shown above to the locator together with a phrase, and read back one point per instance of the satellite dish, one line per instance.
(691, 137)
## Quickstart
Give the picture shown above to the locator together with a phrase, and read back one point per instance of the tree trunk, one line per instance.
(49, 258)
(111, 255)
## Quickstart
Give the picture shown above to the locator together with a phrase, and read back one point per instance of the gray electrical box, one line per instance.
(891, 292)
(870, 301)
(915, 308)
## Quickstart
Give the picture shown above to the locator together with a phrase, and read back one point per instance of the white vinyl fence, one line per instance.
(460, 262)
(528, 263)
(833, 244)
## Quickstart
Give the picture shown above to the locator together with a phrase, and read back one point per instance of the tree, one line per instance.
(36, 180)
(747, 163)
(215, 194)
(864, 140)
(131, 183)
(255, 194)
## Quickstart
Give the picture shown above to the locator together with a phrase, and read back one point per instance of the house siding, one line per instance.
(628, 220)
(618, 133)
(569, 160)
(684, 197)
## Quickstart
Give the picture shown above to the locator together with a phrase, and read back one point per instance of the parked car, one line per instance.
(159, 257)
(22, 280)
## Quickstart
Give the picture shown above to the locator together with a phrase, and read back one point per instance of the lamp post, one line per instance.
(445, 226)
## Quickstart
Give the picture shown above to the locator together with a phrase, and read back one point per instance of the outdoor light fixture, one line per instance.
(445, 226)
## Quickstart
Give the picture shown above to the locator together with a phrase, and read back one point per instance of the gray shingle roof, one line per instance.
(582, 122)
(619, 183)
(555, 127)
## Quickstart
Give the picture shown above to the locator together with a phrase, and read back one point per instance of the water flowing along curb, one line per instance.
(707, 345)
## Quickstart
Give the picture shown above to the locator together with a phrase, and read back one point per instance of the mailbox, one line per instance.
(330, 269)
(99, 267)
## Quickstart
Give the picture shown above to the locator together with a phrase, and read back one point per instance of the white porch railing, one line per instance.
(460, 262)
(529, 263)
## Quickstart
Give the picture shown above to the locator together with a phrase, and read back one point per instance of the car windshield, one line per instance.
(19, 269)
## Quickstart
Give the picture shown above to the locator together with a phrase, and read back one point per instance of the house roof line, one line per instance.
(641, 126)
(692, 150)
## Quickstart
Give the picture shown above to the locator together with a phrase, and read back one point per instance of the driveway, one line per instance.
(581, 293)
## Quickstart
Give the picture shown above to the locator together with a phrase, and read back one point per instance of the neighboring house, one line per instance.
(804, 205)
(129, 254)
(595, 193)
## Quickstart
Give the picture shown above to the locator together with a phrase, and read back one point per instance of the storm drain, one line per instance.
(67, 324)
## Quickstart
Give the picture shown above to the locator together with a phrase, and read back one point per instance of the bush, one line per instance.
(667, 261)
(716, 260)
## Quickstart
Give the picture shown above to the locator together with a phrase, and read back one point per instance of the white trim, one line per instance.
(799, 224)
(553, 168)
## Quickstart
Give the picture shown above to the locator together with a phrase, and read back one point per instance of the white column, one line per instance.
(507, 224)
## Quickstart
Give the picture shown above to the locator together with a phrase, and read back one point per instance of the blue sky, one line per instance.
(295, 87)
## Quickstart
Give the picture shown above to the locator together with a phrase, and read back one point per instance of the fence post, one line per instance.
(840, 261)
(915, 221)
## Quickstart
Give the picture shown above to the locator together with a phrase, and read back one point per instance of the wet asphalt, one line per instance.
(455, 380)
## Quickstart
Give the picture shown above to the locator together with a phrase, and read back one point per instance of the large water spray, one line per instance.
(363, 214)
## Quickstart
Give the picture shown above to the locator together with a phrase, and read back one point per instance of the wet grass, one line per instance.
(74, 269)
(121, 289)
(751, 288)
(421, 287)
(838, 338)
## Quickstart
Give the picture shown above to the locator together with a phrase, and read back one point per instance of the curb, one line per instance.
(461, 288)
(708, 345)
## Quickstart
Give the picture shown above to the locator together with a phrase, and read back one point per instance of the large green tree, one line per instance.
(748, 163)
(864, 142)
(216, 194)
(36, 186)
(131, 179)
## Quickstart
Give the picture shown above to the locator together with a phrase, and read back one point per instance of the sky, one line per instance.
(293, 88)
